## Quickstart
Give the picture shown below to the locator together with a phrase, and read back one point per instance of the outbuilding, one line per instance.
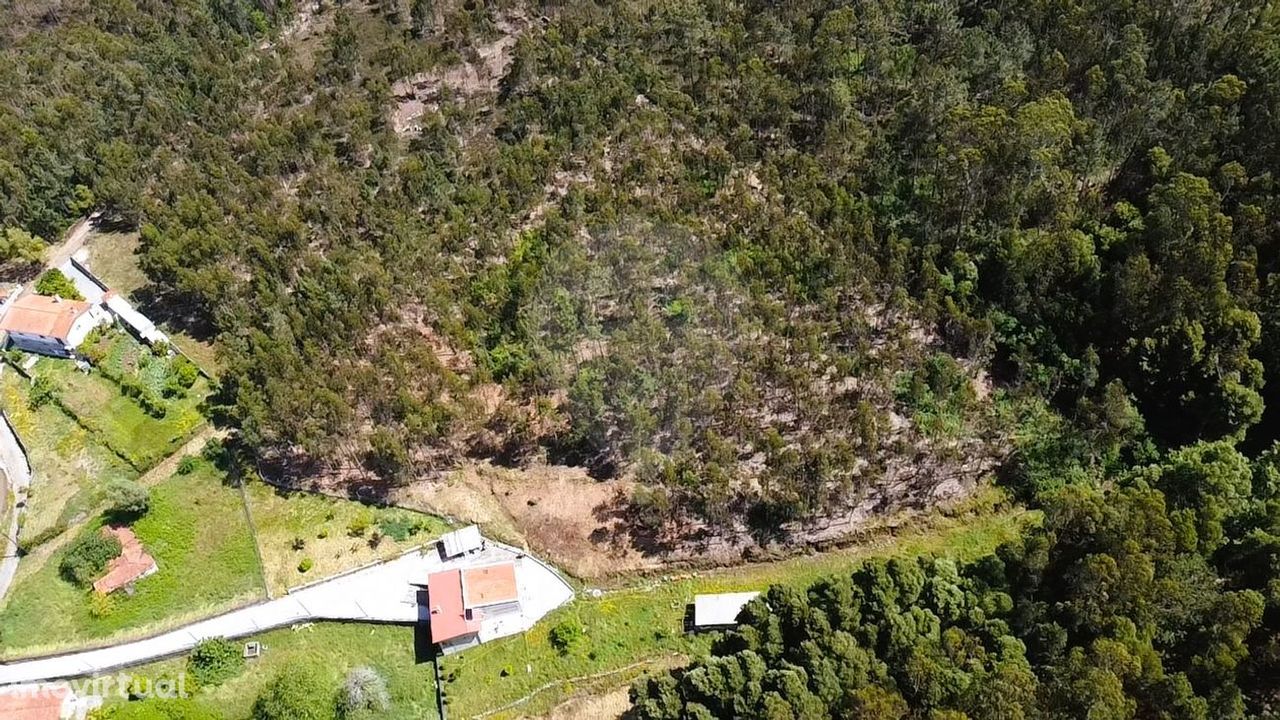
(719, 611)
(461, 542)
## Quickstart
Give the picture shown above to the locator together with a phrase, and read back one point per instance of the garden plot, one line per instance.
(198, 534)
(141, 403)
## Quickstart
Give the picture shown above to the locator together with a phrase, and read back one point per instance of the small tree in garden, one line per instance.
(127, 500)
(54, 282)
(43, 391)
(566, 634)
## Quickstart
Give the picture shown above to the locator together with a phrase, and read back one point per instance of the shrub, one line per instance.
(359, 525)
(305, 565)
(54, 282)
(101, 606)
(188, 464)
(127, 500)
(43, 391)
(400, 526)
(566, 634)
(184, 371)
(214, 661)
(364, 691)
(298, 544)
(87, 557)
(297, 693)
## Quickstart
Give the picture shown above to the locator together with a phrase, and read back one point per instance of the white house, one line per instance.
(51, 325)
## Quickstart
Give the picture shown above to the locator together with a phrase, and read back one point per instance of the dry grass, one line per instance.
(69, 466)
(325, 525)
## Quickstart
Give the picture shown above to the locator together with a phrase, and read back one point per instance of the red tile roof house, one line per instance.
(50, 325)
(463, 601)
(38, 702)
(132, 565)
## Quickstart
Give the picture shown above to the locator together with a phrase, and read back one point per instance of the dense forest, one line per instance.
(762, 258)
(1153, 598)
(747, 253)
(752, 255)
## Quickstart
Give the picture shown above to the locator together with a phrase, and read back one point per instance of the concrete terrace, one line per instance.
(389, 592)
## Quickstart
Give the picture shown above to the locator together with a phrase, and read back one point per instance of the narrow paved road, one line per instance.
(9, 546)
(384, 593)
(16, 484)
(71, 242)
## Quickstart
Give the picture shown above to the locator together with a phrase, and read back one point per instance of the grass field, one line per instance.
(632, 630)
(118, 421)
(113, 258)
(324, 526)
(70, 466)
(197, 532)
(333, 649)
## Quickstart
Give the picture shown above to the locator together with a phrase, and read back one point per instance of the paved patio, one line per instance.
(385, 593)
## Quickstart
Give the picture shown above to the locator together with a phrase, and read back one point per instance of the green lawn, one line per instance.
(643, 624)
(119, 422)
(334, 649)
(324, 527)
(197, 532)
(70, 466)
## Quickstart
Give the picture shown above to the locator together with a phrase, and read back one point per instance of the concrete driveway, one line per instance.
(384, 593)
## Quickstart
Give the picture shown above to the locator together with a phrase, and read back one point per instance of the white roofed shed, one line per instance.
(713, 612)
(461, 542)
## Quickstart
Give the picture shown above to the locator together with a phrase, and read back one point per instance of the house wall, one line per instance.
(85, 323)
(42, 344)
(460, 643)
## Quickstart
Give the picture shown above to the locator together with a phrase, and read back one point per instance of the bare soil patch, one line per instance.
(478, 74)
(555, 511)
(608, 706)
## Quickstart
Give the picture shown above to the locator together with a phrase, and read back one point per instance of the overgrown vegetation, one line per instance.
(55, 283)
(215, 660)
(87, 557)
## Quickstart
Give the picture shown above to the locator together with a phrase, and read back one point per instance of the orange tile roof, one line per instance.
(457, 598)
(489, 585)
(133, 562)
(40, 315)
(44, 703)
(448, 612)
